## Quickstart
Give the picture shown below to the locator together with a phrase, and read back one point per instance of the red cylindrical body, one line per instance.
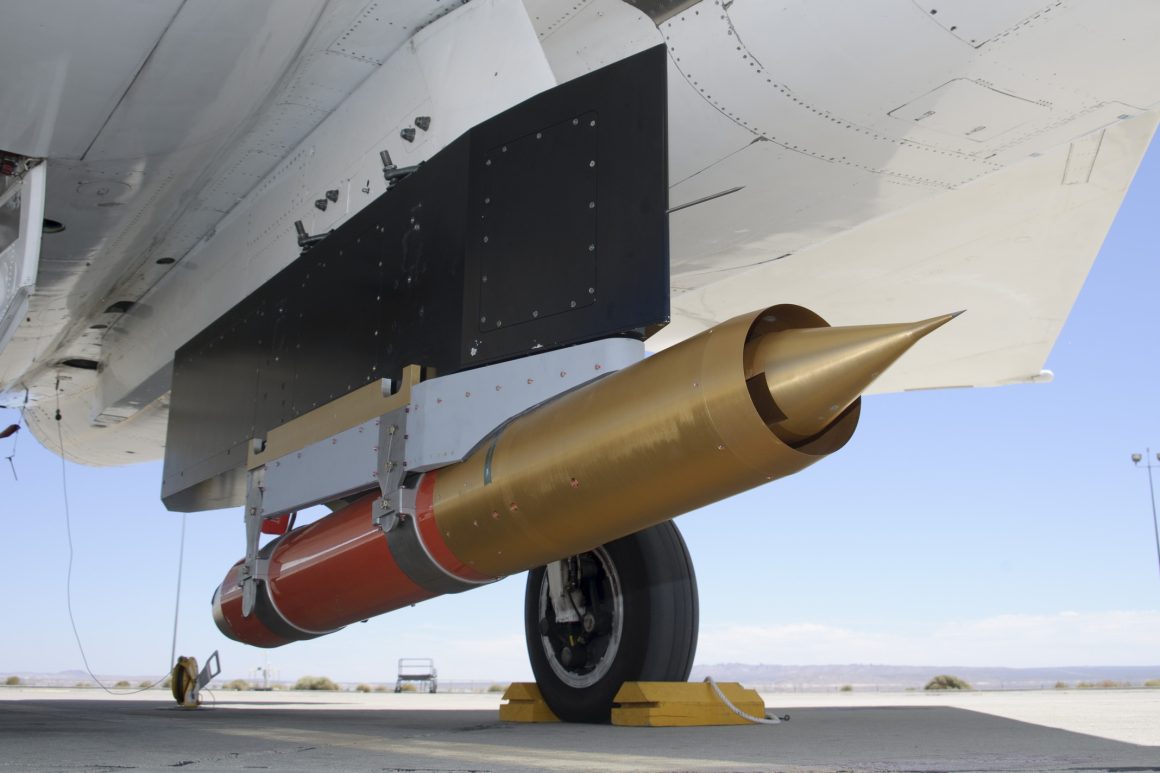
(320, 577)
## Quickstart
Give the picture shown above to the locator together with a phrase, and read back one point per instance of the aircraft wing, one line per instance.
(1012, 249)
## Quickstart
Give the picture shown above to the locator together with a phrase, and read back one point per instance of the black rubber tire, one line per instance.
(660, 622)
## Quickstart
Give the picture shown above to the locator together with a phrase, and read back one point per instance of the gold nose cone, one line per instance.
(814, 374)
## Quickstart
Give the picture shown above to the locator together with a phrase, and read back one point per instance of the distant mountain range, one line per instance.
(70, 678)
(883, 677)
(860, 676)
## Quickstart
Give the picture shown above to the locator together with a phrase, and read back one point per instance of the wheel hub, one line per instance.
(580, 653)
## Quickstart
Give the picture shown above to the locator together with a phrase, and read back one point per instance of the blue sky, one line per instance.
(1001, 527)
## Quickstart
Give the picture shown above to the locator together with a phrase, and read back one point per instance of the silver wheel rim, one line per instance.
(614, 603)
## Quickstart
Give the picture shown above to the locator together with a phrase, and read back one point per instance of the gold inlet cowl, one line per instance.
(813, 374)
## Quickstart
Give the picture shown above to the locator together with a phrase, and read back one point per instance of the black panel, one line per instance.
(542, 227)
(534, 269)
(603, 142)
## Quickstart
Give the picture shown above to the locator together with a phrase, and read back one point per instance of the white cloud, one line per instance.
(1065, 638)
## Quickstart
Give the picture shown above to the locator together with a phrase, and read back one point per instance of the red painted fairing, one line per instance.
(337, 571)
(244, 629)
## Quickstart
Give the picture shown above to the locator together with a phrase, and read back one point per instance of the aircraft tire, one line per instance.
(646, 594)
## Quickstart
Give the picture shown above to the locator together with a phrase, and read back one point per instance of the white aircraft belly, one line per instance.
(66, 65)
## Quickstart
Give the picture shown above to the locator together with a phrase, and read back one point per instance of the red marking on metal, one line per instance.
(429, 532)
(277, 525)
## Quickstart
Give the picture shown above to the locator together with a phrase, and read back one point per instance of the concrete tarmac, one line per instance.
(44, 729)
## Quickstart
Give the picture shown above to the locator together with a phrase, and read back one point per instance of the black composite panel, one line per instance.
(542, 227)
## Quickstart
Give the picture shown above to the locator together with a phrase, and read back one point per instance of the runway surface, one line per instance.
(44, 729)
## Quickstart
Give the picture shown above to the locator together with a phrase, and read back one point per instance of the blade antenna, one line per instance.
(11, 456)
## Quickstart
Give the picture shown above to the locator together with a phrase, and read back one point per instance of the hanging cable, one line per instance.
(769, 720)
(177, 599)
(68, 574)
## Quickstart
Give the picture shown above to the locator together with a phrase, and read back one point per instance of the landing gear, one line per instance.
(626, 611)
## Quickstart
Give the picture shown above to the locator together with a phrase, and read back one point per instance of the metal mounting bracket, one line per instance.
(392, 465)
(560, 592)
(250, 568)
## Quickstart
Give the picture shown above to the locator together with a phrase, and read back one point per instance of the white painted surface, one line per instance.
(20, 258)
(977, 23)
(967, 108)
(203, 77)
(65, 65)
(1012, 250)
(324, 471)
(477, 63)
(452, 414)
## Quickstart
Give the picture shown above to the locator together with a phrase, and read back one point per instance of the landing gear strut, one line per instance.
(626, 611)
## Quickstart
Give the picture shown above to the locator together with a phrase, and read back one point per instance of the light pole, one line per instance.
(1136, 459)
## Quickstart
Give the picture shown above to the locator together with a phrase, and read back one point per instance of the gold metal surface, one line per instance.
(674, 432)
(813, 374)
(348, 411)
